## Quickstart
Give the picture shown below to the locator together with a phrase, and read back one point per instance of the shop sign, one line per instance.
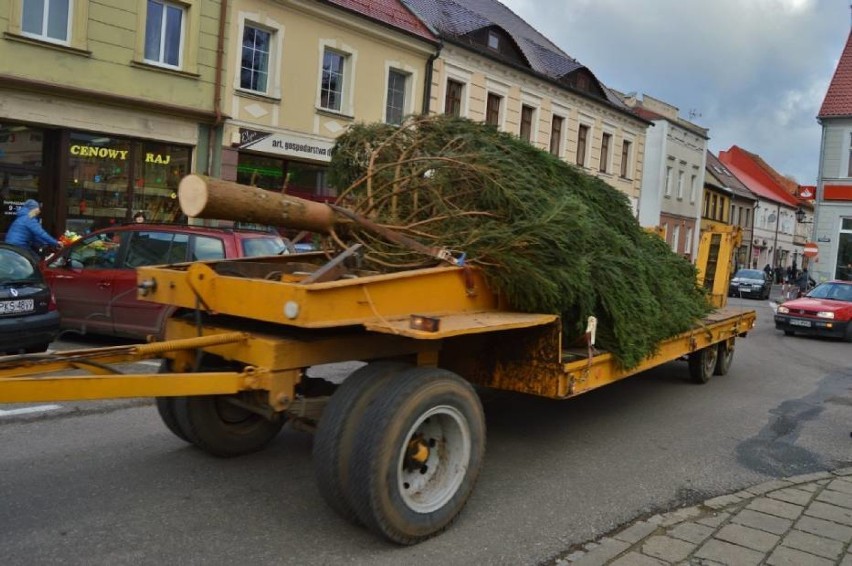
(290, 145)
(102, 152)
(10, 207)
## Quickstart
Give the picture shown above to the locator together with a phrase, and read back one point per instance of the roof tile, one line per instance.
(838, 98)
(391, 12)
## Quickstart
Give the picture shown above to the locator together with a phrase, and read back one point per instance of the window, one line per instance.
(687, 245)
(254, 69)
(47, 19)
(156, 248)
(675, 238)
(331, 89)
(395, 110)
(453, 98)
(527, 113)
(582, 141)
(493, 41)
(93, 252)
(492, 109)
(606, 141)
(206, 248)
(680, 185)
(747, 218)
(625, 158)
(669, 181)
(713, 207)
(556, 135)
(164, 33)
(693, 188)
(849, 166)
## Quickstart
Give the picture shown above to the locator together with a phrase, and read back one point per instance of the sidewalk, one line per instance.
(798, 521)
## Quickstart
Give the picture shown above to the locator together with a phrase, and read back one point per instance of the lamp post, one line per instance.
(800, 218)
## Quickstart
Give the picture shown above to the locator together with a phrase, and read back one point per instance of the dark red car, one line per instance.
(825, 311)
(94, 279)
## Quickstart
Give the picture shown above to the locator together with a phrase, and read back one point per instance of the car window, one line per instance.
(832, 291)
(156, 248)
(750, 274)
(98, 251)
(15, 268)
(253, 247)
(207, 248)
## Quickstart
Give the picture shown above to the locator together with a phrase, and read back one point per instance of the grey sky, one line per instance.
(754, 71)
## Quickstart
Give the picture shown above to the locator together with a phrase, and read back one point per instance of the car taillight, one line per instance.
(51, 305)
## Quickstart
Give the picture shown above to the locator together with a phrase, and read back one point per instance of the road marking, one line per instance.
(28, 410)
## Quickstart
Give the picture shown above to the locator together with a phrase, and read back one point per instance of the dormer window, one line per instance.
(493, 41)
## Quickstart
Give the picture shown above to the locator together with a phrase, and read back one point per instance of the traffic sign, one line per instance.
(811, 250)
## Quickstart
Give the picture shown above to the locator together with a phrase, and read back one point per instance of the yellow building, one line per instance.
(104, 105)
(299, 73)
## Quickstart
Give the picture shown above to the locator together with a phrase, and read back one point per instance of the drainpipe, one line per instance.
(427, 86)
(775, 250)
(217, 86)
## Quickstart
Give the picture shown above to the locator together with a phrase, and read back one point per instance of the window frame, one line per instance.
(492, 115)
(69, 23)
(584, 132)
(669, 181)
(680, 175)
(626, 158)
(451, 85)
(849, 157)
(184, 22)
(344, 72)
(693, 188)
(270, 57)
(527, 122)
(557, 139)
(606, 144)
(406, 80)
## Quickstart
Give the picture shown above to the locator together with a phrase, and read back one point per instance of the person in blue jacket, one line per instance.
(26, 232)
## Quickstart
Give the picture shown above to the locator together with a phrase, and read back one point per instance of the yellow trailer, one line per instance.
(399, 444)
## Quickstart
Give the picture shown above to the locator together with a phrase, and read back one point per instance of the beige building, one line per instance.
(299, 73)
(104, 106)
(496, 68)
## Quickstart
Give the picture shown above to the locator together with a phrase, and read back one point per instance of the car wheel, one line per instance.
(37, 349)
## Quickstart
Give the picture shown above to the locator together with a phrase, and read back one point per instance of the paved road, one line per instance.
(115, 487)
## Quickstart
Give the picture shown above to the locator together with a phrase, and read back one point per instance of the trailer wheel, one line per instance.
(336, 431)
(166, 409)
(222, 428)
(724, 358)
(702, 363)
(417, 455)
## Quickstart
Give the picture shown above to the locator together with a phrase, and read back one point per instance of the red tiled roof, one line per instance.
(390, 12)
(838, 98)
(751, 170)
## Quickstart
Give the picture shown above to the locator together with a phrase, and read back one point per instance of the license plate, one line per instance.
(795, 322)
(21, 305)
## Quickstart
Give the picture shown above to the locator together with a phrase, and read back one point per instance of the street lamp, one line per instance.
(800, 216)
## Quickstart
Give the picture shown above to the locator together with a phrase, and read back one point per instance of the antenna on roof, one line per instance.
(694, 113)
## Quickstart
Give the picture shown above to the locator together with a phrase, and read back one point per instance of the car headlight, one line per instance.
(783, 310)
(825, 314)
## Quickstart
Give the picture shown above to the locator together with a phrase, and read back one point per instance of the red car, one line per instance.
(94, 279)
(824, 311)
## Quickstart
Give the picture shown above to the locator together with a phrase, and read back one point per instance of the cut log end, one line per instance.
(192, 195)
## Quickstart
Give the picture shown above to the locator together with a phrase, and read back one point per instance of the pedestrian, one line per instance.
(26, 231)
(768, 270)
(804, 281)
(788, 275)
(139, 217)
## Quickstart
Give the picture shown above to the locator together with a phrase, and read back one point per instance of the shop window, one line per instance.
(453, 98)
(397, 83)
(254, 69)
(164, 30)
(47, 19)
(20, 169)
(158, 169)
(331, 88)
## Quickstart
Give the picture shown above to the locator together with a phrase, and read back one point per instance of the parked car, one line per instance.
(752, 283)
(29, 320)
(824, 311)
(94, 278)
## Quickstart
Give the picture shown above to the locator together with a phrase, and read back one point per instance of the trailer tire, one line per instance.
(417, 455)
(724, 358)
(336, 431)
(166, 409)
(223, 429)
(702, 363)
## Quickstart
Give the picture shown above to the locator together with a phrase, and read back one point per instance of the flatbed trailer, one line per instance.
(399, 444)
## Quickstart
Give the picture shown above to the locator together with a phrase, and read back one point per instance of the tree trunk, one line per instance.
(206, 197)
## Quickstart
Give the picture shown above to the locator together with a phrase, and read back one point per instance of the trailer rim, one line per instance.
(434, 461)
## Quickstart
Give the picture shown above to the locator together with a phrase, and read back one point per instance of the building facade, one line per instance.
(494, 67)
(300, 72)
(742, 204)
(105, 106)
(833, 215)
(672, 175)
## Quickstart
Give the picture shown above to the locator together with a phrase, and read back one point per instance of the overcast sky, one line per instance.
(754, 72)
